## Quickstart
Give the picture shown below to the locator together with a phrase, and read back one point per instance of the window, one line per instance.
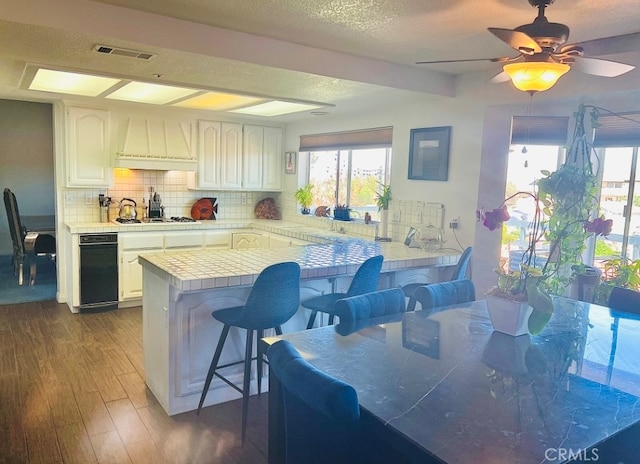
(348, 168)
(524, 168)
(349, 177)
(618, 138)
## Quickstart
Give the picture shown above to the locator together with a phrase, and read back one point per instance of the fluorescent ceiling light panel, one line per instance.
(276, 108)
(218, 101)
(143, 92)
(72, 83)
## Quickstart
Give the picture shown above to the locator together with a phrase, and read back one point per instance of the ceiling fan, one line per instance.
(544, 55)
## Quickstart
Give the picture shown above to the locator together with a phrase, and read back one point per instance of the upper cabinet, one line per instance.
(230, 156)
(233, 156)
(262, 158)
(272, 159)
(88, 152)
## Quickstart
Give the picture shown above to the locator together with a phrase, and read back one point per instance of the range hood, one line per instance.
(157, 144)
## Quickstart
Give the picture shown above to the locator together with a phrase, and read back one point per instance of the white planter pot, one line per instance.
(508, 316)
(384, 223)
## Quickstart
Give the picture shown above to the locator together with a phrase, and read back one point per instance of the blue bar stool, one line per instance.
(273, 300)
(460, 272)
(364, 281)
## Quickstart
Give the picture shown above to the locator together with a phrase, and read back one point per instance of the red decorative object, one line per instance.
(204, 209)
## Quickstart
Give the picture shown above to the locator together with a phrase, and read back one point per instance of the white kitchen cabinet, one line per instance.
(262, 158)
(219, 155)
(246, 240)
(130, 246)
(252, 138)
(208, 154)
(230, 155)
(88, 151)
(272, 159)
(217, 239)
(183, 240)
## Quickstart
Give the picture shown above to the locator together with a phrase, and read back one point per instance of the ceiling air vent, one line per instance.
(123, 52)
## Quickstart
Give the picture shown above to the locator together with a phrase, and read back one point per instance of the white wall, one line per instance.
(480, 117)
(26, 160)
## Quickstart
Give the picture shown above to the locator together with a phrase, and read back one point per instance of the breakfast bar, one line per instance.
(181, 289)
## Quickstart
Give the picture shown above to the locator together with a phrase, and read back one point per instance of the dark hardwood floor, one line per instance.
(72, 390)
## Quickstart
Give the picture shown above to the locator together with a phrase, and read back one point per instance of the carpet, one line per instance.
(44, 289)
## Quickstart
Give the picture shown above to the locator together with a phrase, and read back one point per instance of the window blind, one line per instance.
(365, 138)
(539, 130)
(621, 130)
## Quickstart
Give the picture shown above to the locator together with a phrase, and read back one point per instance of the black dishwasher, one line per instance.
(98, 271)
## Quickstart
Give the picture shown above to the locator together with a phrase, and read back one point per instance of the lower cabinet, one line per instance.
(130, 246)
(133, 244)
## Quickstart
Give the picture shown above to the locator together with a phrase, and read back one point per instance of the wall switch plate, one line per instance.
(68, 198)
(396, 216)
(419, 217)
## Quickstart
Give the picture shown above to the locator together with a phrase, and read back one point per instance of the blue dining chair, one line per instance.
(625, 299)
(273, 300)
(364, 281)
(368, 305)
(445, 293)
(460, 272)
(321, 413)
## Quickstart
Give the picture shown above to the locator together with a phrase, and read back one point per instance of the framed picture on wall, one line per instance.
(290, 161)
(429, 153)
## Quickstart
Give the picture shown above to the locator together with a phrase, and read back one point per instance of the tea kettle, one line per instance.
(127, 209)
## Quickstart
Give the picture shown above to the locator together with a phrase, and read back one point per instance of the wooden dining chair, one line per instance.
(25, 243)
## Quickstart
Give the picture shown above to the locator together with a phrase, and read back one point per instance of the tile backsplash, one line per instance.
(427, 217)
(81, 205)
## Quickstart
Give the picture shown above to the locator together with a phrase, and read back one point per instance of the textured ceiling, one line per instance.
(344, 53)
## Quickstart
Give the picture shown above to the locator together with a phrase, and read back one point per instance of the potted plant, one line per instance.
(383, 198)
(618, 272)
(565, 215)
(304, 196)
(529, 282)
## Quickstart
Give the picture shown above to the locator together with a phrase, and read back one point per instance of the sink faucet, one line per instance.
(341, 230)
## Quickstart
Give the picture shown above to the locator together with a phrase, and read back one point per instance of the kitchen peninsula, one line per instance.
(181, 289)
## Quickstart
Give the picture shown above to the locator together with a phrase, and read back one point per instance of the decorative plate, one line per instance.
(204, 209)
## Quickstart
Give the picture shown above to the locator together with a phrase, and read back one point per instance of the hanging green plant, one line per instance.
(569, 199)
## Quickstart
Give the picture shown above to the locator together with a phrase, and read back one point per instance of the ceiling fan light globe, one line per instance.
(535, 76)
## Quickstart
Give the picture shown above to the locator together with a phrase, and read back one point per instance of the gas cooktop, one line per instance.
(160, 220)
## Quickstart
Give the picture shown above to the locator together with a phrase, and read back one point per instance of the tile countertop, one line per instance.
(206, 269)
(100, 227)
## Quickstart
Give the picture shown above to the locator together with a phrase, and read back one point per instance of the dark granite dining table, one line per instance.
(446, 388)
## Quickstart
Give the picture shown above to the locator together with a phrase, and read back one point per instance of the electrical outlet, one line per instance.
(88, 199)
(396, 216)
(68, 198)
(454, 224)
(419, 217)
(243, 198)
